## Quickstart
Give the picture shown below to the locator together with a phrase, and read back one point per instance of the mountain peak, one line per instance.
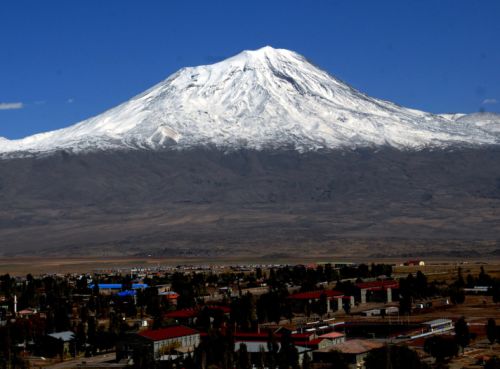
(265, 56)
(264, 98)
(265, 51)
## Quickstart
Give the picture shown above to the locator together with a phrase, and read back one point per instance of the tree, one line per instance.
(330, 274)
(271, 305)
(495, 292)
(261, 358)
(492, 363)
(396, 357)
(184, 286)
(441, 348)
(460, 279)
(483, 279)
(338, 360)
(243, 312)
(288, 355)
(462, 334)
(347, 307)
(491, 330)
(322, 306)
(143, 358)
(406, 292)
(470, 281)
(243, 360)
(457, 295)
(306, 361)
(421, 284)
(95, 289)
(272, 349)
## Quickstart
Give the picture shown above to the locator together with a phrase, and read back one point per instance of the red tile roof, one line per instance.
(302, 336)
(251, 336)
(312, 343)
(315, 294)
(167, 333)
(378, 285)
(184, 313)
(332, 335)
(194, 312)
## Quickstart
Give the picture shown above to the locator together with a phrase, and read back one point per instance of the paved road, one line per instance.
(89, 360)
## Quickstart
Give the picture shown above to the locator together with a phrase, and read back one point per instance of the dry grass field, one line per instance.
(447, 270)
(435, 270)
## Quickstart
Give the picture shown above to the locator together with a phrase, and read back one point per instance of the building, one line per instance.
(377, 291)
(113, 288)
(259, 350)
(439, 325)
(160, 342)
(59, 344)
(304, 302)
(189, 316)
(390, 310)
(478, 290)
(414, 263)
(354, 352)
(334, 337)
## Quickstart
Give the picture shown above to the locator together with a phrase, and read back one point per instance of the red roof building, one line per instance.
(160, 342)
(301, 302)
(314, 295)
(187, 315)
(168, 333)
(378, 285)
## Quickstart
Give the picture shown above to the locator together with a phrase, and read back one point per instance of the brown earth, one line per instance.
(272, 204)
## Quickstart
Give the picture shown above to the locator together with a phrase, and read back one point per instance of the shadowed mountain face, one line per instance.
(207, 202)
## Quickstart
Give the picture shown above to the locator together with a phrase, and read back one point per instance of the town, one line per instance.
(412, 314)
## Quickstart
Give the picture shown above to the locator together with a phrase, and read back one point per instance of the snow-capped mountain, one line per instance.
(267, 98)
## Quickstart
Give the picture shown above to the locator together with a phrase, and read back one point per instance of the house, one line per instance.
(189, 316)
(171, 296)
(26, 313)
(315, 342)
(59, 344)
(259, 350)
(160, 342)
(354, 352)
(334, 337)
(414, 263)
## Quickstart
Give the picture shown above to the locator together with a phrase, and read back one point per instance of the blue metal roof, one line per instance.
(65, 336)
(118, 286)
(107, 286)
(127, 293)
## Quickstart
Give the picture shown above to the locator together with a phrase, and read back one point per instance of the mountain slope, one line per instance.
(267, 98)
(206, 202)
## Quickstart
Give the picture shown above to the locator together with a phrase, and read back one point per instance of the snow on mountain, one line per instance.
(267, 98)
(486, 121)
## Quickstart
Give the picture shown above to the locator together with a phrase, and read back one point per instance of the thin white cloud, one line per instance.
(490, 101)
(11, 105)
(70, 100)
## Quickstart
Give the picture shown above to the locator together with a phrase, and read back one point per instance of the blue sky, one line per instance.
(64, 61)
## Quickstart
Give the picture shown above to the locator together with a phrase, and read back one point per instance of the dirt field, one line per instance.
(439, 269)
(447, 270)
